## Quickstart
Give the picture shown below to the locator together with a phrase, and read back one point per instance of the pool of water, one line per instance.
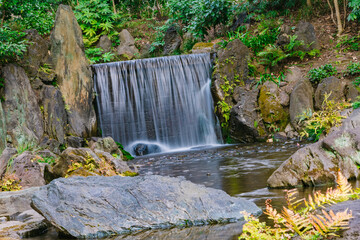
(239, 170)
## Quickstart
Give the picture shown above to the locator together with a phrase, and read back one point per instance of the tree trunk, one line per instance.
(113, 2)
(338, 17)
(308, 3)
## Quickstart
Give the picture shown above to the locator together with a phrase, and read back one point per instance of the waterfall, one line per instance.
(164, 101)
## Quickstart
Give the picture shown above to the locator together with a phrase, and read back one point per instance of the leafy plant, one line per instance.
(96, 55)
(321, 122)
(47, 159)
(24, 146)
(306, 222)
(356, 82)
(317, 74)
(270, 77)
(9, 183)
(355, 7)
(12, 44)
(353, 69)
(126, 154)
(349, 44)
(224, 109)
(356, 104)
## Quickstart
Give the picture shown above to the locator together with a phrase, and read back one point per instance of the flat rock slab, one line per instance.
(96, 207)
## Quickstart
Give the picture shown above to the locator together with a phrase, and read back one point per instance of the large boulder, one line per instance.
(96, 207)
(36, 54)
(172, 41)
(107, 144)
(15, 202)
(318, 163)
(2, 131)
(244, 122)
(73, 72)
(27, 169)
(270, 105)
(7, 154)
(305, 32)
(55, 117)
(23, 117)
(203, 47)
(127, 47)
(332, 86)
(231, 67)
(301, 101)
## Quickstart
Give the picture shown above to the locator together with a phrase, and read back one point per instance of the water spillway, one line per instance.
(164, 101)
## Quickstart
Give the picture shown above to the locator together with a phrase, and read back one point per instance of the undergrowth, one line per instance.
(317, 74)
(302, 218)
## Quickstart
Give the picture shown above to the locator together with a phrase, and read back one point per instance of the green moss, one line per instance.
(202, 45)
(130, 174)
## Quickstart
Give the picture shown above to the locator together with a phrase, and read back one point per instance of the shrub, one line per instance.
(317, 74)
(353, 69)
(198, 16)
(307, 222)
(321, 122)
(9, 183)
(355, 7)
(12, 44)
(349, 44)
(96, 55)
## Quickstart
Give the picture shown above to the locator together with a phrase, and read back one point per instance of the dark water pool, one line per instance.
(239, 170)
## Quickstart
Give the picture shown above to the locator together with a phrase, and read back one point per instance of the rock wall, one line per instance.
(73, 72)
(2, 130)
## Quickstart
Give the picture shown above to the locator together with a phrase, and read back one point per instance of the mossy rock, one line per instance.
(271, 109)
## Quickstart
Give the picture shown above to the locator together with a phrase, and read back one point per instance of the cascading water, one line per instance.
(164, 101)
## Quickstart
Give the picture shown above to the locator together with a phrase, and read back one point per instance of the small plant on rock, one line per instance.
(321, 122)
(317, 74)
(301, 218)
(10, 183)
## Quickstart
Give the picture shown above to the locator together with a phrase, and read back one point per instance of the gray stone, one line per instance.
(353, 233)
(104, 43)
(305, 32)
(116, 162)
(318, 163)
(2, 131)
(24, 225)
(352, 92)
(73, 72)
(7, 154)
(15, 202)
(23, 117)
(301, 101)
(75, 142)
(284, 99)
(55, 116)
(107, 144)
(50, 144)
(244, 117)
(36, 54)
(293, 75)
(142, 149)
(28, 170)
(172, 41)
(103, 206)
(333, 86)
(127, 47)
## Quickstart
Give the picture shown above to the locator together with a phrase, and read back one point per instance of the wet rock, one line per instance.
(232, 65)
(55, 116)
(203, 48)
(27, 169)
(172, 41)
(107, 145)
(280, 137)
(23, 117)
(353, 232)
(301, 101)
(24, 225)
(290, 132)
(244, 122)
(15, 202)
(36, 54)
(104, 43)
(2, 131)
(73, 72)
(333, 86)
(47, 76)
(142, 149)
(98, 206)
(6, 155)
(75, 142)
(127, 47)
(305, 31)
(270, 105)
(318, 163)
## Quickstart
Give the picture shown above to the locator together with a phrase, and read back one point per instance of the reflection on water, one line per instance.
(240, 170)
